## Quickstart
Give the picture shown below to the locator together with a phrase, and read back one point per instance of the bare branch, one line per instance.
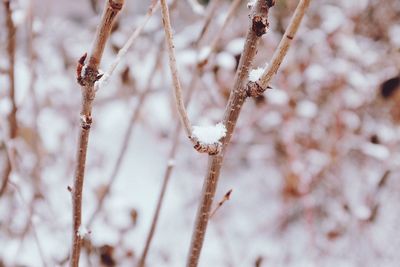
(174, 70)
(87, 76)
(226, 197)
(258, 26)
(122, 52)
(211, 149)
(12, 117)
(257, 88)
(211, 8)
(231, 12)
(175, 142)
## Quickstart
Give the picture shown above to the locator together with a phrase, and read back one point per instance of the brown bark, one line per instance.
(87, 76)
(12, 117)
(257, 28)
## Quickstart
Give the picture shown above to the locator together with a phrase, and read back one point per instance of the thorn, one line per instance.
(226, 197)
(69, 188)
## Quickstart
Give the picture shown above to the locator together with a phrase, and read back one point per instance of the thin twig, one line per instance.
(122, 52)
(174, 70)
(226, 197)
(211, 9)
(214, 43)
(175, 145)
(87, 75)
(237, 97)
(12, 117)
(258, 27)
(211, 149)
(166, 178)
(257, 88)
(31, 222)
(126, 140)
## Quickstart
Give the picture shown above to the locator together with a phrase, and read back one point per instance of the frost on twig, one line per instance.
(256, 88)
(255, 74)
(82, 231)
(207, 138)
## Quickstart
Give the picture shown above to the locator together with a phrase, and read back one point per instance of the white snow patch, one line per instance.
(102, 82)
(235, 46)
(18, 16)
(362, 212)
(209, 134)
(196, 7)
(82, 231)
(377, 151)
(307, 109)
(5, 105)
(255, 74)
(316, 72)
(333, 18)
(250, 4)
(394, 35)
(226, 61)
(204, 53)
(171, 162)
(277, 97)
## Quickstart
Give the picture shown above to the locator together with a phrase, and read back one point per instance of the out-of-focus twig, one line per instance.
(226, 197)
(175, 145)
(12, 117)
(122, 52)
(126, 139)
(211, 149)
(211, 9)
(87, 75)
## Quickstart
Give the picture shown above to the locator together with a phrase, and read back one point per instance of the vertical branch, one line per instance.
(175, 142)
(257, 88)
(242, 89)
(12, 117)
(87, 75)
(258, 26)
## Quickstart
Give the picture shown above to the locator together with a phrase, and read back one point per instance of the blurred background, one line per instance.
(313, 164)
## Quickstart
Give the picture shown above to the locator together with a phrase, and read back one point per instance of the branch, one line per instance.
(213, 148)
(122, 52)
(226, 197)
(175, 142)
(12, 117)
(236, 100)
(231, 12)
(211, 8)
(257, 28)
(87, 75)
(257, 88)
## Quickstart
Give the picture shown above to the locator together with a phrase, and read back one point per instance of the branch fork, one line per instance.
(211, 149)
